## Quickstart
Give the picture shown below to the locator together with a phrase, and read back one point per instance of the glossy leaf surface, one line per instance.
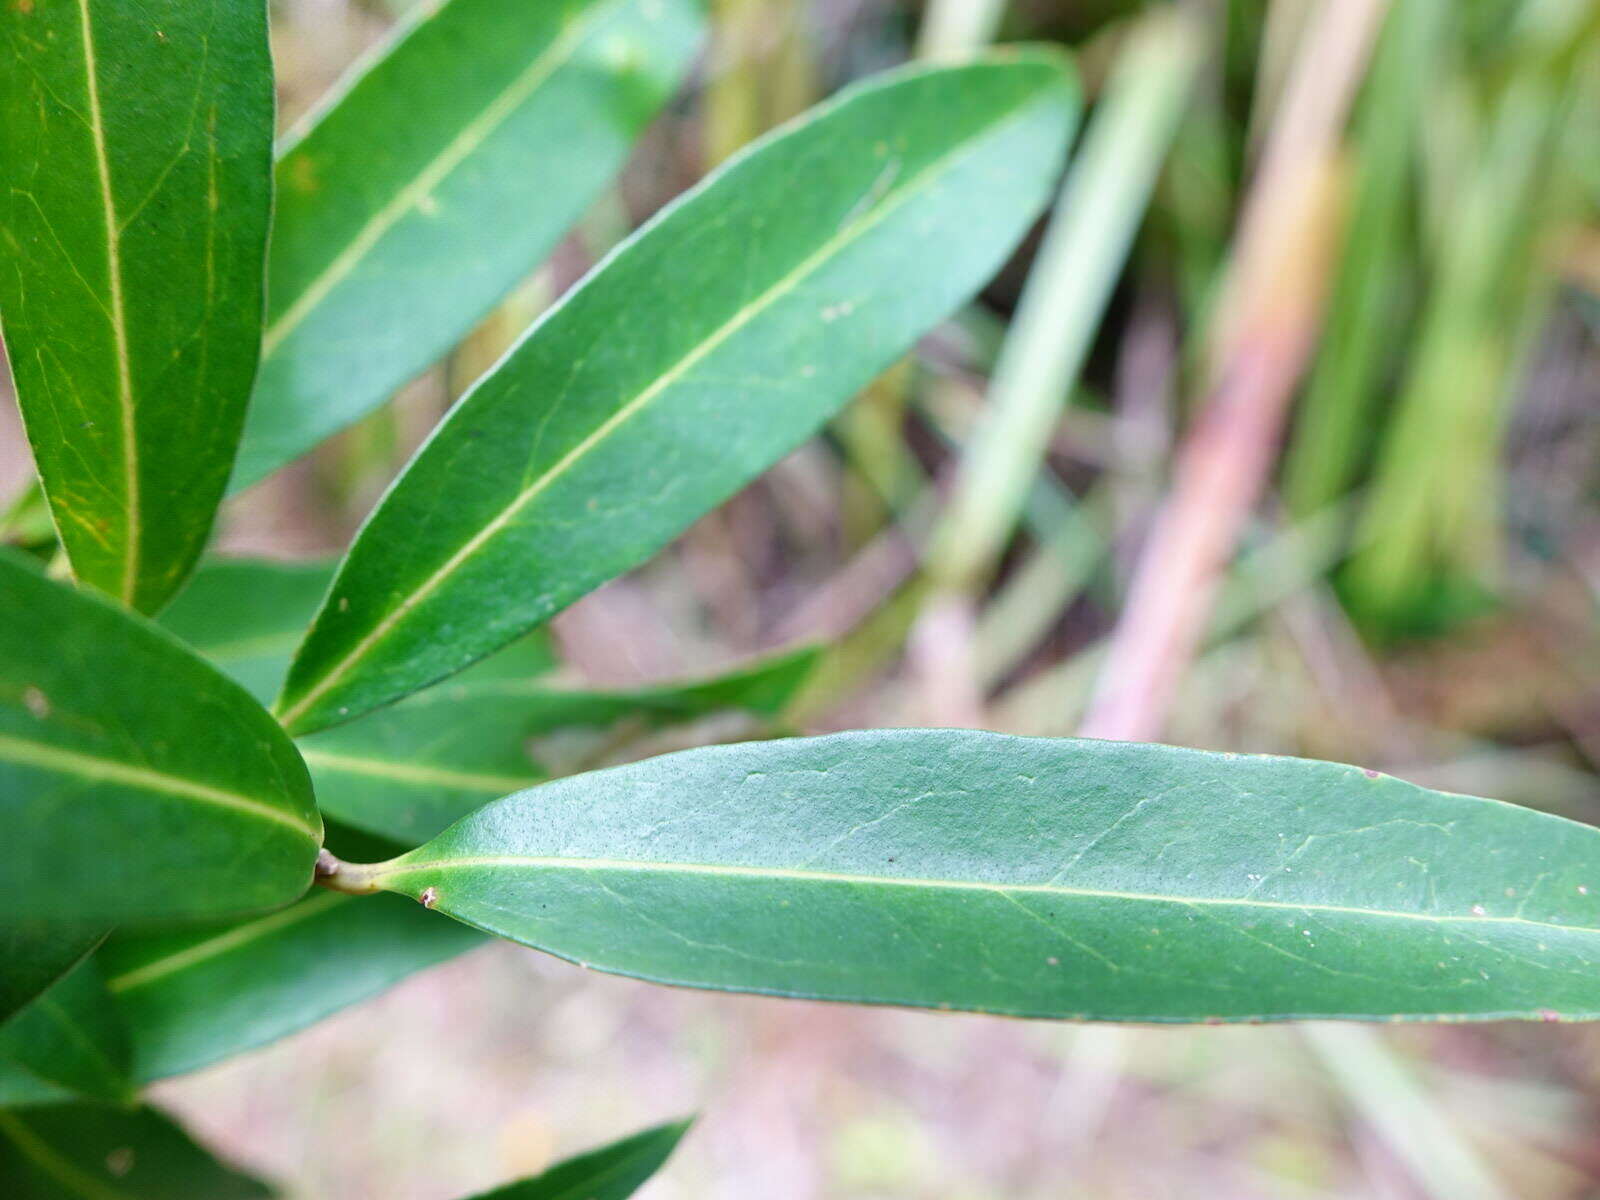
(136, 145)
(33, 955)
(1070, 878)
(97, 1153)
(711, 344)
(136, 783)
(612, 1172)
(194, 997)
(409, 771)
(73, 1037)
(433, 183)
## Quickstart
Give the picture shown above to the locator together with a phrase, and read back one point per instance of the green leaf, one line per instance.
(1035, 877)
(194, 997)
(434, 182)
(612, 1172)
(73, 1037)
(246, 616)
(34, 954)
(409, 771)
(136, 783)
(136, 143)
(711, 344)
(96, 1153)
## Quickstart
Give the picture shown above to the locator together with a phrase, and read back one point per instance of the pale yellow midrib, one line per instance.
(416, 772)
(118, 312)
(746, 314)
(88, 767)
(240, 935)
(455, 152)
(401, 867)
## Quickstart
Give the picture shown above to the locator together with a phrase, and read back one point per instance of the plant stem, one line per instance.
(353, 879)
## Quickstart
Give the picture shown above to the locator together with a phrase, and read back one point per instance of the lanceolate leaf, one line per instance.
(34, 954)
(192, 998)
(73, 1037)
(135, 144)
(434, 182)
(408, 772)
(97, 1153)
(1080, 879)
(136, 783)
(612, 1172)
(711, 344)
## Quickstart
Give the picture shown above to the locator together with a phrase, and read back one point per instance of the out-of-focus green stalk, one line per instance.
(734, 108)
(1101, 205)
(1365, 316)
(1432, 517)
(1039, 590)
(762, 72)
(1384, 1093)
(956, 29)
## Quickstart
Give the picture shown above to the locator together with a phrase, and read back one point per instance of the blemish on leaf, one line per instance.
(429, 897)
(303, 174)
(120, 1161)
(1370, 773)
(1478, 910)
(36, 702)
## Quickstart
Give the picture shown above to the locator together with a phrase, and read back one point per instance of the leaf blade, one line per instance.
(73, 1037)
(409, 771)
(134, 289)
(1031, 877)
(104, 1154)
(187, 799)
(611, 1172)
(658, 425)
(194, 998)
(391, 242)
(33, 955)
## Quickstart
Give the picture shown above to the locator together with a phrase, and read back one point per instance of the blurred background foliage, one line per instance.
(1283, 436)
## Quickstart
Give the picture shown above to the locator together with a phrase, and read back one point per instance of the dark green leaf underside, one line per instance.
(89, 1152)
(73, 1037)
(1078, 879)
(194, 997)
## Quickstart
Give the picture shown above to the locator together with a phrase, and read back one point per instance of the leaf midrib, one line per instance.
(915, 186)
(401, 867)
(455, 152)
(103, 770)
(117, 311)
